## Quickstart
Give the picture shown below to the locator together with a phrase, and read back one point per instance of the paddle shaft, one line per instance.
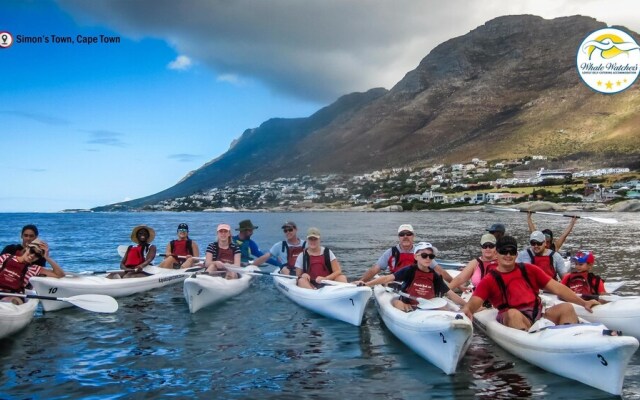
(596, 219)
(91, 302)
(181, 257)
(32, 296)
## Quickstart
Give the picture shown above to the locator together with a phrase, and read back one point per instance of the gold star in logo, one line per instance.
(599, 83)
(609, 85)
(625, 80)
(618, 83)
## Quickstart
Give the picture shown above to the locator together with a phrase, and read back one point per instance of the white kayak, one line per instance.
(73, 285)
(204, 290)
(620, 315)
(440, 337)
(580, 352)
(14, 318)
(345, 302)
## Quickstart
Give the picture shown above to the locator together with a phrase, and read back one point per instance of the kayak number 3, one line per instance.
(602, 360)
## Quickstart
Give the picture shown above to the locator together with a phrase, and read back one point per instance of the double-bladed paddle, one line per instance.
(596, 219)
(92, 302)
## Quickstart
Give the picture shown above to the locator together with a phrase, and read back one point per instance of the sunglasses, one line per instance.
(403, 234)
(427, 255)
(488, 246)
(536, 243)
(287, 230)
(35, 252)
(511, 252)
(183, 230)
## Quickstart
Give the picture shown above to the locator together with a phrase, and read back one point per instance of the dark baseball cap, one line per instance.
(183, 226)
(496, 228)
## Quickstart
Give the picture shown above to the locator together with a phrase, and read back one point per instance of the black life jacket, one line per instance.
(503, 288)
(411, 274)
(327, 260)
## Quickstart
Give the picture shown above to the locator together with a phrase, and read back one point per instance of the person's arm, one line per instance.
(567, 294)
(56, 271)
(560, 241)
(371, 272)
(445, 275)
(532, 226)
(455, 298)
(195, 249)
(261, 260)
(237, 259)
(560, 266)
(148, 260)
(472, 306)
(208, 258)
(464, 275)
(381, 280)
(167, 251)
(337, 271)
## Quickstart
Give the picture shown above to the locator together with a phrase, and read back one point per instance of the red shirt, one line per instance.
(519, 293)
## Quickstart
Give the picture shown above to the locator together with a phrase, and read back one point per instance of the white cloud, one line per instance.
(181, 63)
(230, 78)
(321, 49)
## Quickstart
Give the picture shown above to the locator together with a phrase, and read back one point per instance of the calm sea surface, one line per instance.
(260, 345)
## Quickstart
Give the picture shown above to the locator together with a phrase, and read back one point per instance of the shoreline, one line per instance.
(544, 206)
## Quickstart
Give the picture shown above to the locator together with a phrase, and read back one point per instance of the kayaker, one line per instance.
(16, 270)
(139, 256)
(547, 260)
(286, 251)
(497, 230)
(180, 253)
(552, 244)
(249, 249)
(221, 252)
(583, 281)
(400, 256)
(317, 263)
(477, 268)
(419, 280)
(513, 290)
(29, 233)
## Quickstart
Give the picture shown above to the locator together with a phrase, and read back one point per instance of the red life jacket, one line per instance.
(545, 263)
(181, 247)
(485, 269)
(317, 266)
(136, 255)
(12, 275)
(520, 293)
(584, 282)
(398, 260)
(292, 253)
(422, 286)
(225, 255)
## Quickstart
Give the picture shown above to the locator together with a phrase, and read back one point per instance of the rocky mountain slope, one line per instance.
(508, 88)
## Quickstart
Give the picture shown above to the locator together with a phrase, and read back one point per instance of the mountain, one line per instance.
(506, 89)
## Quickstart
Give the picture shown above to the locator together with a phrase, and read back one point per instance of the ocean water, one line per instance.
(260, 345)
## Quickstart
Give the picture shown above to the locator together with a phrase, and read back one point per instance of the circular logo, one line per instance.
(6, 40)
(608, 60)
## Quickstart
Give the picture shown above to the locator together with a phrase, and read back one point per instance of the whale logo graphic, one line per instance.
(608, 47)
(608, 60)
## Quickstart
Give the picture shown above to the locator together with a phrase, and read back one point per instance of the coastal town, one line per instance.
(436, 187)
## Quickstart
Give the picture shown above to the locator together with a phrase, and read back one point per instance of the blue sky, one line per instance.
(88, 125)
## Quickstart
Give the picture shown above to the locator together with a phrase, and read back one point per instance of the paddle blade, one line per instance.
(436, 302)
(94, 302)
(602, 220)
